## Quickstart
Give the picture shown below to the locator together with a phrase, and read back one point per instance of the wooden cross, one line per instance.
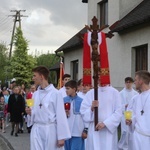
(94, 43)
(94, 28)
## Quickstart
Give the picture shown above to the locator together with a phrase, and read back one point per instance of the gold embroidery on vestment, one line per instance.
(87, 72)
(104, 72)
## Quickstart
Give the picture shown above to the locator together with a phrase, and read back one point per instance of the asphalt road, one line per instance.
(8, 142)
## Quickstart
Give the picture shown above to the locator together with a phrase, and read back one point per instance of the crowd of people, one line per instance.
(63, 119)
(13, 107)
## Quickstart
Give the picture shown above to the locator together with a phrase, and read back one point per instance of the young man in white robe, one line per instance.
(139, 124)
(126, 95)
(50, 127)
(65, 79)
(109, 117)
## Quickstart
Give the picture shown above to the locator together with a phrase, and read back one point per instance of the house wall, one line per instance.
(120, 46)
(127, 5)
(120, 50)
(93, 10)
(72, 56)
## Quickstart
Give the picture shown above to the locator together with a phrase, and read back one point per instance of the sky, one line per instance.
(48, 23)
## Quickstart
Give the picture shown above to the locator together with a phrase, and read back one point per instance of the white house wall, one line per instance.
(113, 13)
(127, 5)
(120, 46)
(72, 56)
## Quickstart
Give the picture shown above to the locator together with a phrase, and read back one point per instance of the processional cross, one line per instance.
(94, 29)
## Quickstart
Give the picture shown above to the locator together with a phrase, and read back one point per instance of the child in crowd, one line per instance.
(6, 97)
(75, 120)
(2, 114)
(28, 119)
(32, 90)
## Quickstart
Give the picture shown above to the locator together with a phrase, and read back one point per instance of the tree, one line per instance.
(21, 62)
(3, 62)
(48, 60)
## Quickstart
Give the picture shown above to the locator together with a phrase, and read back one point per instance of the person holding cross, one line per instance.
(50, 127)
(109, 117)
(101, 106)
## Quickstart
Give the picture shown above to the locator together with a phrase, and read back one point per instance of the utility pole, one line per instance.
(17, 18)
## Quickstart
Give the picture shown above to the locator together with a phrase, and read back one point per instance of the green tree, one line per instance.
(48, 60)
(3, 62)
(21, 62)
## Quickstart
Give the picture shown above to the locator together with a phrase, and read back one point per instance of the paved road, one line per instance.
(8, 142)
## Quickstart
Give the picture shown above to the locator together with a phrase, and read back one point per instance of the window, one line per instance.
(103, 13)
(74, 70)
(141, 58)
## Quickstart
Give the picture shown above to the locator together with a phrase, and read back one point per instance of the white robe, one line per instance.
(63, 91)
(28, 119)
(109, 112)
(141, 123)
(86, 125)
(49, 121)
(81, 94)
(126, 96)
(126, 99)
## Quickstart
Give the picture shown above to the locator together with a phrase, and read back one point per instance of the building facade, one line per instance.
(128, 49)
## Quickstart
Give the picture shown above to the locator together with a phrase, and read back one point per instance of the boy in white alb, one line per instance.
(75, 121)
(50, 127)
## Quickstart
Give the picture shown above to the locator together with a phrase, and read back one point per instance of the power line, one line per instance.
(17, 17)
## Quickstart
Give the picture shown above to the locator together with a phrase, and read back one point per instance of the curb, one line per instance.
(5, 144)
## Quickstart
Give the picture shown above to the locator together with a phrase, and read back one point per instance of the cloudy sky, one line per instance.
(50, 23)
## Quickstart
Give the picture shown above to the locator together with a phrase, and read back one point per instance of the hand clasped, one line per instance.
(100, 126)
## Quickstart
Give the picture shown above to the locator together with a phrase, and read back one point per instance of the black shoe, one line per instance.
(11, 132)
(29, 130)
(16, 134)
(21, 131)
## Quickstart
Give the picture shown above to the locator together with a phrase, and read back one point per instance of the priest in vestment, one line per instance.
(139, 124)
